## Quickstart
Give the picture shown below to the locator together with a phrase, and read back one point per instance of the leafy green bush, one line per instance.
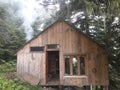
(8, 66)
(9, 81)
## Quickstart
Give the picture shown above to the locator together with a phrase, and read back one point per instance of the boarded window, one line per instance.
(67, 65)
(37, 49)
(53, 46)
(82, 65)
(75, 65)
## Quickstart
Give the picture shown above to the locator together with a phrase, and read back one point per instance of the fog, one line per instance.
(29, 10)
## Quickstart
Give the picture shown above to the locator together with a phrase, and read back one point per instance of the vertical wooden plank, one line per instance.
(86, 65)
(45, 66)
(61, 27)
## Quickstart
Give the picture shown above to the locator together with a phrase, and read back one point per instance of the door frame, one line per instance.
(46, 62)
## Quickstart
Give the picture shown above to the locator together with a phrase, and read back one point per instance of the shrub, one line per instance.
(9, 81)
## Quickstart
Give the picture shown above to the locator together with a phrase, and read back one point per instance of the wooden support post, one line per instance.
(91, 87)
(105, 87)
(96, 87)
(88, 88)
(101, 88)
(44, 88)
(60, 87)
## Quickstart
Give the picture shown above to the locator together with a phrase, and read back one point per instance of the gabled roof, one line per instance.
(52, 25)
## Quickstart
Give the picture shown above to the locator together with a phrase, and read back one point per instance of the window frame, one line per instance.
(78, 65)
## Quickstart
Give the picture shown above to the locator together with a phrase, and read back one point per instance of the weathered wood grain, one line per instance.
(71, 42)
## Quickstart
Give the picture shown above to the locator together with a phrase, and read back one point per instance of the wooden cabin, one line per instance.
(63, 55)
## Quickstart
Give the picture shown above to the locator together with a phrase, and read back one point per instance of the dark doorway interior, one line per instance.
(53, 66)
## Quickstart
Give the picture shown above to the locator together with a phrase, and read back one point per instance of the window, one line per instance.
(82, 65)
(53, 46)
(36, 49)
(75, 65)
(67, 65)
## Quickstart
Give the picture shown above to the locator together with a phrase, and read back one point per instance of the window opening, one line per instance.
(67, 65)
(82, 65)
(75, 65)
(36, 49)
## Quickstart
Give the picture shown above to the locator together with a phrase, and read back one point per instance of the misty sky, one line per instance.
(29, 10)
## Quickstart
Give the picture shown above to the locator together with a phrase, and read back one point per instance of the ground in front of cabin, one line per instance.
(65, 88)
(9, 81)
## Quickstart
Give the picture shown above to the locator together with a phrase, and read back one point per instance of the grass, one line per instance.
(9, 81)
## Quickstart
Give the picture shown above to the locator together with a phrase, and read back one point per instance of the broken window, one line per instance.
(75, 65)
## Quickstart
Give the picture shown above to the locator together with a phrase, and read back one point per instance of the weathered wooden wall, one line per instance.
(71, 42)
